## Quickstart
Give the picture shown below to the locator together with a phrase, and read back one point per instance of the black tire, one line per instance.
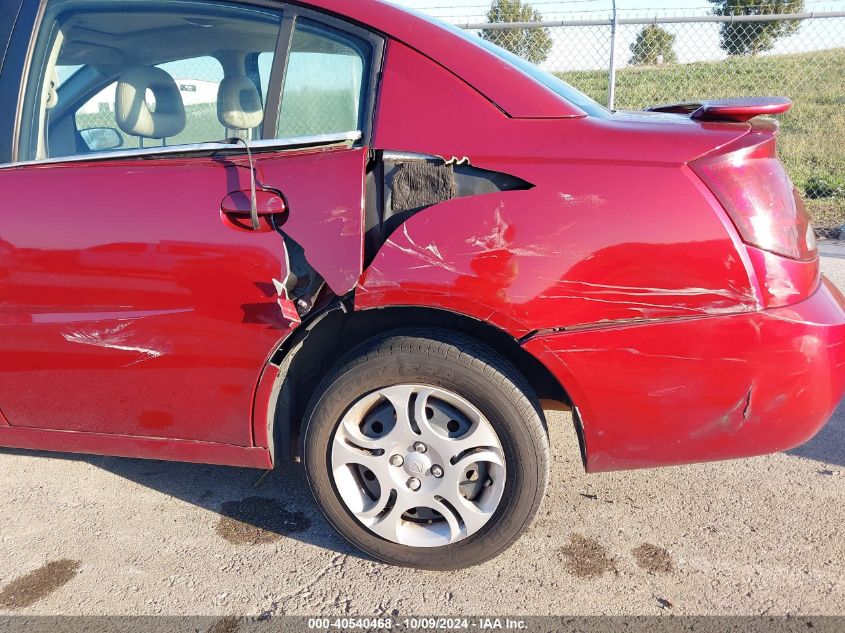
(458, 363)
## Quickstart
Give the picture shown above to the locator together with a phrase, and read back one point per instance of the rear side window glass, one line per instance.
(265, 67)
(108, 75)
(325, 84)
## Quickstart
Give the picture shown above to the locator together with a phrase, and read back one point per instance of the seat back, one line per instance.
(135, 116)
(239, 107)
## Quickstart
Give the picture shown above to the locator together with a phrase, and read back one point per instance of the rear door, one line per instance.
(141, 289)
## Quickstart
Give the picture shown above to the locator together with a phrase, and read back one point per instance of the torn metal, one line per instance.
(402, 184)
(301, 284)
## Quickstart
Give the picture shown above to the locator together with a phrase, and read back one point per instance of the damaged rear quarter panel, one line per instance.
(617, 240)
(327, 220)
(589, 253)
(615, 227)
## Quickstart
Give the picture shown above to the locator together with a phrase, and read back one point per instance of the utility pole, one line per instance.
(611, 86)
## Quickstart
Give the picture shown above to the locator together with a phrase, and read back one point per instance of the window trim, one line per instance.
(289, 13)
(278, 73)
(25, 77)
(375, 40)
(341, 139)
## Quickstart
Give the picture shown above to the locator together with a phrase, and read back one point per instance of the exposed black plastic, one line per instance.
(401, 185)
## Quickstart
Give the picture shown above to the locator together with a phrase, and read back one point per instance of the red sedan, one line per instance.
(244, 232)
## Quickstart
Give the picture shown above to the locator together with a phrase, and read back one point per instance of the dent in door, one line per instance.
(158, 324)
(323, 232)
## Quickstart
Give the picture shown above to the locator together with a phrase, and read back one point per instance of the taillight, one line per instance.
(754, 188)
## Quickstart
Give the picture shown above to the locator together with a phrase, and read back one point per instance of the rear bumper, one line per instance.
(697, 390)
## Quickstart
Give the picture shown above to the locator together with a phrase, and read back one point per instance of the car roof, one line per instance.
(514, 92)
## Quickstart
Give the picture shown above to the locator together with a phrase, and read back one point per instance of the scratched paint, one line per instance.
(118, 338)
(661, 392)
(537, 270)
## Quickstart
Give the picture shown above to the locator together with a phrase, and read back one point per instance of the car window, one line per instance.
(325, 82)
(110, 74)
(265, 67)
(66, 72)
(198, 80)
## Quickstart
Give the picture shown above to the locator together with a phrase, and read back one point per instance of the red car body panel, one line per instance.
(694, 390)
(137, 320)
(783, 281)
(456, 120)
(179, 313)
(489, 259)
(485, 74)
(168, 449)
(565, 252)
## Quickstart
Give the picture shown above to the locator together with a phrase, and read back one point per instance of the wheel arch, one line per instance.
(311, 351)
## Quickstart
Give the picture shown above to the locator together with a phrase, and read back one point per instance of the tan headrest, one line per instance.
(239, 103)
(134, 115)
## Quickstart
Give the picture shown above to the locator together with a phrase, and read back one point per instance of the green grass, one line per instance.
(812, 137)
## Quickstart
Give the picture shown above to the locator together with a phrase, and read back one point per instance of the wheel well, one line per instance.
(314, 350)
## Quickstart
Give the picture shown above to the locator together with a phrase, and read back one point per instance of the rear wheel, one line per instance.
(427, 449)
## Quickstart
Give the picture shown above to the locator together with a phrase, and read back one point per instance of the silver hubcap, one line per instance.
(418, 465)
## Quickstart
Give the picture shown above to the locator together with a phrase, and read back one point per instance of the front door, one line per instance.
(141, 290)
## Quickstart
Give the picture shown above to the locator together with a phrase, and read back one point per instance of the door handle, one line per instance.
(236, 210)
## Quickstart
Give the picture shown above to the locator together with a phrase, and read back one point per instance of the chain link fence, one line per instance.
(671, 59)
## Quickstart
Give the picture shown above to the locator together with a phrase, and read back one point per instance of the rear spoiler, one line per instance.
(740, 109)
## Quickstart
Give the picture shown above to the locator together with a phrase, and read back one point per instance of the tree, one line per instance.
(750, 38)
(653, 46)
(531, 44)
